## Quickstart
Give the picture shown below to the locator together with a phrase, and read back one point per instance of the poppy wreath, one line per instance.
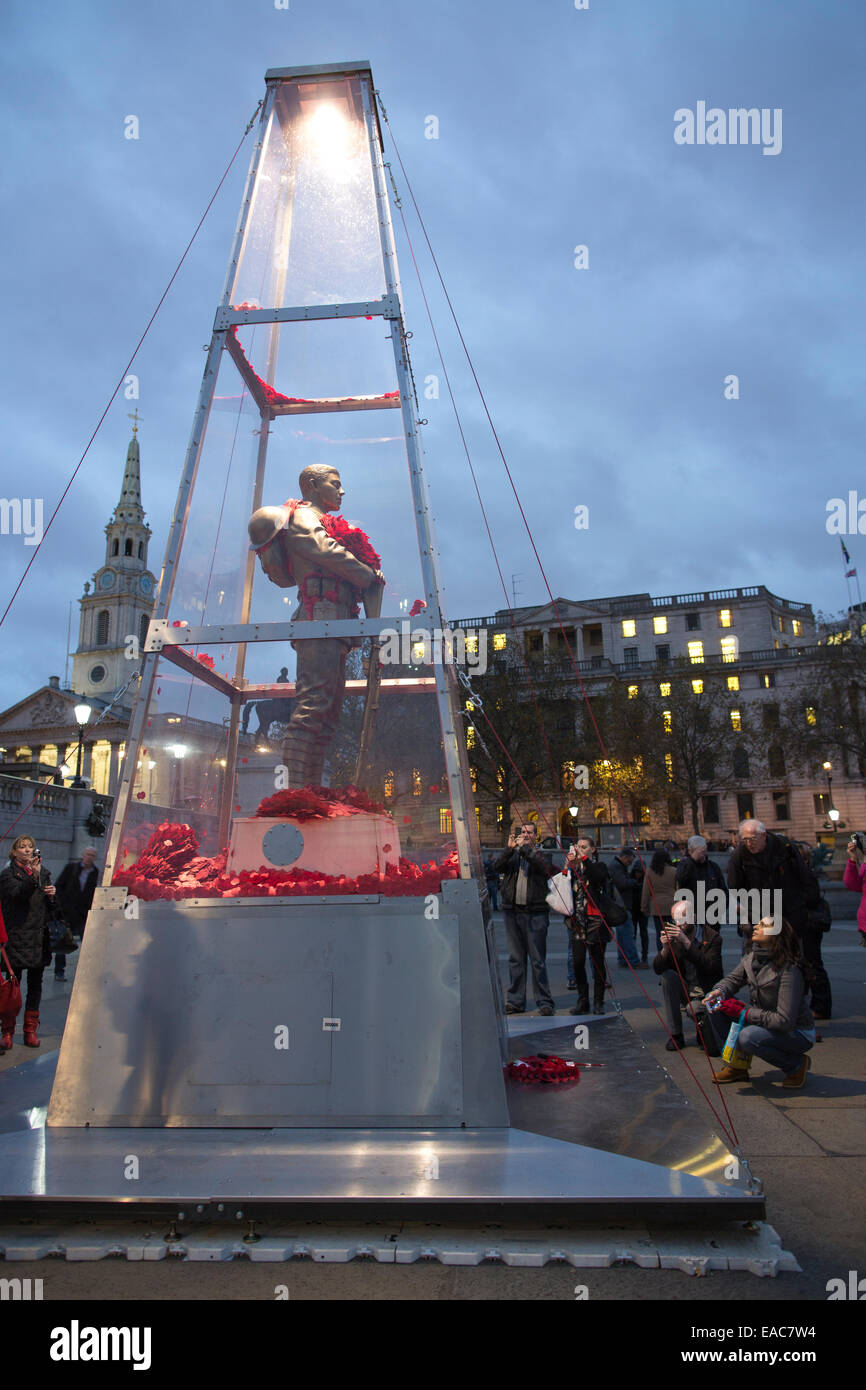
(352, 538)
(546, 1070)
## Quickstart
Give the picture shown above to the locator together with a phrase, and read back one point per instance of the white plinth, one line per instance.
(361, 844)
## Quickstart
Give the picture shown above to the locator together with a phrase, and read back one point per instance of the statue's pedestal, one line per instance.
(364, 843)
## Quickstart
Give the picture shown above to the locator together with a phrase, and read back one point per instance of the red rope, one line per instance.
(542, 571)
(125, 372)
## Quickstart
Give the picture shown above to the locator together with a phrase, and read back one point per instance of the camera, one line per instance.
(859, 839)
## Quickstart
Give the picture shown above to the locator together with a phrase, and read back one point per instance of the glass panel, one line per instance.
(313, 233)
(244, 738)
(185, 758)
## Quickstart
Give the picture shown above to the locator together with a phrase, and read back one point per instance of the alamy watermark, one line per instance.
(716, 907)
(439, 646)
(846, 517)
(22, 516)
(736, 126)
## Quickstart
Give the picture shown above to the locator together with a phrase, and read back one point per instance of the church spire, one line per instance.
(129, 507)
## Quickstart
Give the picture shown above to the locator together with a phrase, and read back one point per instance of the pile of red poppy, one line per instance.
(170, 867)
(313, 803)
(549, 1070)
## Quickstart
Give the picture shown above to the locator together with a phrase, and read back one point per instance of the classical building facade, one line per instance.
(760, 645)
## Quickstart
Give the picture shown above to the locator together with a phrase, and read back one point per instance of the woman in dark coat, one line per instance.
(26, 894)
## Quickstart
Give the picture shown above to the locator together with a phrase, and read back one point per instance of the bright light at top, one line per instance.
(331, 139)
(329, 131)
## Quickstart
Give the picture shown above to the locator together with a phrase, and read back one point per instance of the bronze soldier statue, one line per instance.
(295, 549)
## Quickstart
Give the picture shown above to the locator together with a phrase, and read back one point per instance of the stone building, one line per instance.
(758, 643)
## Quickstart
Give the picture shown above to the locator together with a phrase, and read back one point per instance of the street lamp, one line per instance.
(82, 714)
(828, 768)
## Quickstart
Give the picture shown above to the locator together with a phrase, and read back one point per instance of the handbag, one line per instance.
(559, 895)
(10, 990)
(612, 911)
(60, 935)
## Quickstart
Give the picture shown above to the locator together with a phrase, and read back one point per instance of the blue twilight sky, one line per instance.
(556, 129)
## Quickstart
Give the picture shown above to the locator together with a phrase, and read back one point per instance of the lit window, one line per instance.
(389, 784)
(729, 648)
(478, 816)
(446, 820)
(660, 625)
(797, 627)
(568, 772)
(499, 641)
(472, 645)
(736, 721)
(500, 815)
(666, 716)
(768, 680)
(469, 705)
(473, 778)
(632, 692)
(645, 815)
(811, 716)
(733, 682)
(665, 689)
(418, 652)
(698, 687)
(629, 627)
(669, 766)
(470, 737)
(780, 624)
(500, 779)
(173, 719)
(416, 782)
(696, 652)
(725, 617)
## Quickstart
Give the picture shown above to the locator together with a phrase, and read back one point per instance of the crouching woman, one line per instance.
(778, 1025)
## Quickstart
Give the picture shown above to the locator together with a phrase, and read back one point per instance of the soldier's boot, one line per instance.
(297, 755)
(317, 761)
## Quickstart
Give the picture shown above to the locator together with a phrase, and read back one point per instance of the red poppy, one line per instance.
(416, 608)
(169, 867)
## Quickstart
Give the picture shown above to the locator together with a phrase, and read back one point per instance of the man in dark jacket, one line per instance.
(524, 906)
(696, 868)
(765, 861)
(698, 952)
(620, 872)
(75, 888)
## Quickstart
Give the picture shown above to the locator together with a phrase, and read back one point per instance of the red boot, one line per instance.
(7, 1023)
(31, 1023)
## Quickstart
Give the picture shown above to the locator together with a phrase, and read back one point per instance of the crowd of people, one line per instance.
(781, 962)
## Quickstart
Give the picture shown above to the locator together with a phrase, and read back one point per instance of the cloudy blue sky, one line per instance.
(555, 129)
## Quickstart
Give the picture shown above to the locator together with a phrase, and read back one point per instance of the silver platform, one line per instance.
(623, 1142)
(170, 1094)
